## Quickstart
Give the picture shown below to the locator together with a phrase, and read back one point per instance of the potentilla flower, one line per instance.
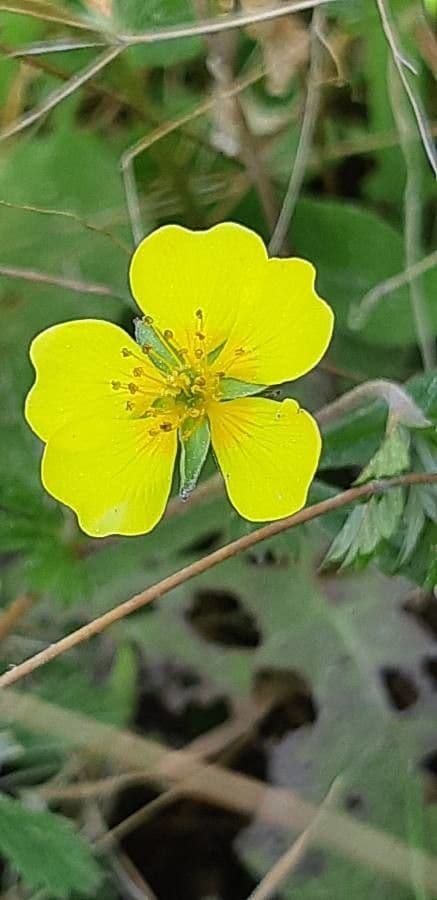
(221, 322)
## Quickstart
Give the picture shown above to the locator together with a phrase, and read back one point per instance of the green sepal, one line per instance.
(146, 336)
(214, 354)
(232, 388)
(194, 450)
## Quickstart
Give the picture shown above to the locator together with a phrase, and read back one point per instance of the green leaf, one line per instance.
(414, 523)
(365, 528)
(392, 458)
(353, 250)
(232, 388)
(194, 450)
(345, 537)
(46, 850)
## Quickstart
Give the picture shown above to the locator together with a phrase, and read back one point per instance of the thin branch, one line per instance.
(57, 46)
(63, 92)
(401, 63)
(70, 284)
(200, 29)
(163, 130)
(74, 217)
(362, 310)
(287, 863)
(221, 23)
(312, 104)
(412, 216)
(139, 817)
(226, 789)
(163, 587)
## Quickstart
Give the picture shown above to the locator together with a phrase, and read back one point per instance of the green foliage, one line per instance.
(46, 851)
(353, 250)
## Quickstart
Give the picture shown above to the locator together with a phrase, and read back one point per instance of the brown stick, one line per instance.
(202, 565)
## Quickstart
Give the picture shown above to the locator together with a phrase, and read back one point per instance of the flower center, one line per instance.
(179, 395)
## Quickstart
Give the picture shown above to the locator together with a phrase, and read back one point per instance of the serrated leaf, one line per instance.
(46, 851)
(389, 510)
(414, 518)
(392, 458)
(342, 543)
(368, 536)
(194, 450)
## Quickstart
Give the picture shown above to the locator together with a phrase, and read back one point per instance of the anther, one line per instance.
(240, 351)
(125, 352)
(168, 334)
(148, 320)
(199, 314)
(201, 382)
(200, 335)
(198, 353)
(138, 371)
(116, 385)
(153, 432)
(166, 426)
(132, 388)
(146, 348)
(130, 406)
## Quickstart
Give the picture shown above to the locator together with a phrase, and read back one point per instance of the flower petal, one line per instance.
(283, 331)
(175, 272)
(268, 453)
(75, 364)
(113, 473)
(275, 325)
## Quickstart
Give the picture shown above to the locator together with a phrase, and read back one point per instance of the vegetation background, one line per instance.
(297, 680)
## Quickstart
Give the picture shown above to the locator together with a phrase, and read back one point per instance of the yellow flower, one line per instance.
(221, 322)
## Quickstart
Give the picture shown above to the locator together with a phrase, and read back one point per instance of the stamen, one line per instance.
(240, 351)
(198, 353)
(168, 334)
(130, 406)
(125, 352)
(138, 371)
(116, 385)
(132, 388)
(200, 335)
(166, 426)
(199, 314)
(148, 320)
